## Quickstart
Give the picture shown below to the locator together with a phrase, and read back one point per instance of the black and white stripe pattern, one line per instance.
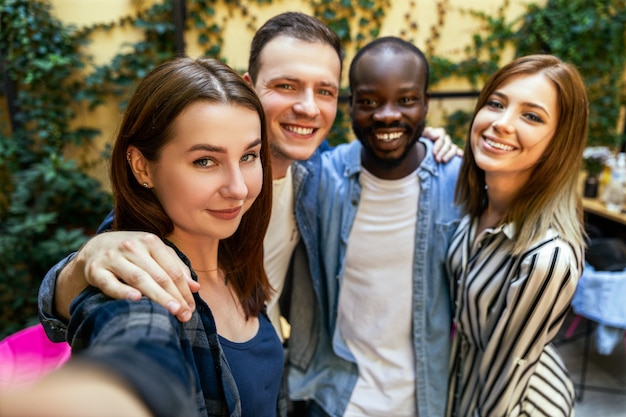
(509, 309)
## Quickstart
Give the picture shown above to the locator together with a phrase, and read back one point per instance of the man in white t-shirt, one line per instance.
(377, 221)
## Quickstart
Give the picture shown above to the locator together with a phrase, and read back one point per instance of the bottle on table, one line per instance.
(614, 192)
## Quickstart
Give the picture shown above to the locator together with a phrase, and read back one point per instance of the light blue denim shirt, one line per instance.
(321, 367)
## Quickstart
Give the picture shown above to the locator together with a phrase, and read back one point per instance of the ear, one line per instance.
(139, 165)
(246, 78)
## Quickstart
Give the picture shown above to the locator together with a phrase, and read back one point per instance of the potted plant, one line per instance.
(595, 158)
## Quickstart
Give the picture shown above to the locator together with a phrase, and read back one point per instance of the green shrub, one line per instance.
(49, 205)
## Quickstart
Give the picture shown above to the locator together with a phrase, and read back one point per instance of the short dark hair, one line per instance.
(391, 43)
(294, 25)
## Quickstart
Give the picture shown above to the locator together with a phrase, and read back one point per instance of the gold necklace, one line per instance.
(206, 270)
(213, 270)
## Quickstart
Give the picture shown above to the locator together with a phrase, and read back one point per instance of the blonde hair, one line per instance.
(550, 198)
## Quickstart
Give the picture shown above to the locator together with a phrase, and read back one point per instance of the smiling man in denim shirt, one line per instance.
(377, 342)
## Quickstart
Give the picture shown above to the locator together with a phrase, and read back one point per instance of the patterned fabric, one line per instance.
(168, 363)
(508, 310)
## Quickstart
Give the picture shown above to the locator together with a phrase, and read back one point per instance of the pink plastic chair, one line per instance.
(28, 354)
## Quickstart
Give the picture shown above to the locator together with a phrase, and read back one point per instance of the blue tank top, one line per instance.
(257, 366)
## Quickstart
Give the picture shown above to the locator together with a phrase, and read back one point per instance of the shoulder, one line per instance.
(343, 151)
(553, 256)
(446, 170)
(552, 242)
(341, 160)
(93, 314)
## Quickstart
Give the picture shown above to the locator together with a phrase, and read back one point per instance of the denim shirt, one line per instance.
(321, 366)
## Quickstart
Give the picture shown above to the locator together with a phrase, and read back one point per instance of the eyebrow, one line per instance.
(221, 149)
(402, 89)
(330, 84)
(371, 91)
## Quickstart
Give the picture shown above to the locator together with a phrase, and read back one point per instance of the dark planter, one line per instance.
(591, 186)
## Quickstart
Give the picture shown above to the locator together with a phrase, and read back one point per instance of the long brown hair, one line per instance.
(147, 125)
(550, 198)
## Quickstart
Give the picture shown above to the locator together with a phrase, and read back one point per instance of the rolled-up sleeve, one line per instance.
(55, 327)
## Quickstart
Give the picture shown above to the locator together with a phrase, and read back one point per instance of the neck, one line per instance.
(216, 276)
(499, 197)
(501, 189)
(201, 251)
(400, 169)
(280, 165)
(206, 270)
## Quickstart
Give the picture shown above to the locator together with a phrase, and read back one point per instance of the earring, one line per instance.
(145, 184)
(128, 157)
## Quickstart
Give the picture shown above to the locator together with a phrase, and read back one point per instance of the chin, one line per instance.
(301, 153)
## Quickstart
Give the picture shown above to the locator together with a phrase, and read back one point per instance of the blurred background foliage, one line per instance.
(49, 205)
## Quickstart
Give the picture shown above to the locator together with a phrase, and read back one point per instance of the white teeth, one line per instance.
(299, 130)
(387, 137)
(499, 145)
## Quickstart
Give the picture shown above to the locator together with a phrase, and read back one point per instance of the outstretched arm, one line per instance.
(78, 391)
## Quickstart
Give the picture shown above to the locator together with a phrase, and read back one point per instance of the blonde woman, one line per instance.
(517, 254)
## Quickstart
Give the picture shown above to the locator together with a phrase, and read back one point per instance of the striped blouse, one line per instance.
(508, 310)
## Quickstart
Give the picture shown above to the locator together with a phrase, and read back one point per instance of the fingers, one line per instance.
(174, 278)
(452, 151)
(130, 264)
(443, 147)
(433, 133)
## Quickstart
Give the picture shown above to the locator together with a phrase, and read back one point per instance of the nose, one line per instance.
(387, 113)
(503, 124)
(234, 187)
(307, 105)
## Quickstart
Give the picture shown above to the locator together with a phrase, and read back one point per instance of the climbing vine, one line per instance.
(589, 34)
(49, 206)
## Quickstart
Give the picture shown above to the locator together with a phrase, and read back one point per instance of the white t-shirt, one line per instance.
(279, 243)
(375, 301)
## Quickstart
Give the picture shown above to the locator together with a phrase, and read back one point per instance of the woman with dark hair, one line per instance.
(516, 256)
(189, 165)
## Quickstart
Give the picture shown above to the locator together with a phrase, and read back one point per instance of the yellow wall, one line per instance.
(455, 32)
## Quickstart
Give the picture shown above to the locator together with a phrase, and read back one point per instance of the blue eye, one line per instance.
(495, 104)
(204, 162)
(250, 157)
(533, 117)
